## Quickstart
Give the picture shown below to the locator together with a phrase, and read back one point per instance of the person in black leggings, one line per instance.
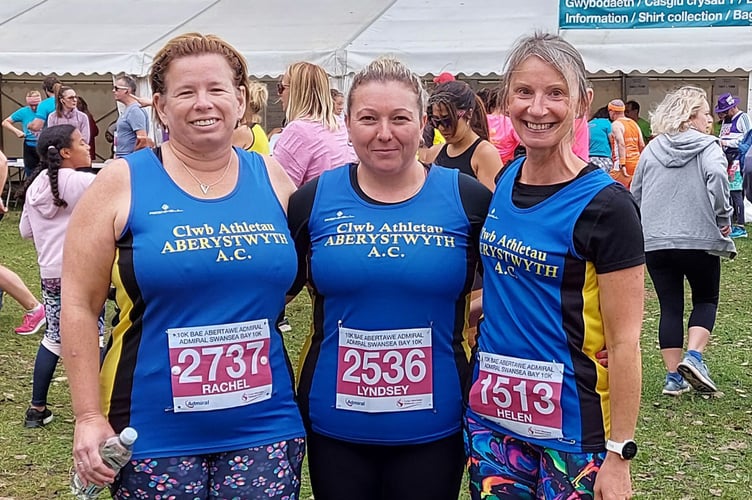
(682, 188)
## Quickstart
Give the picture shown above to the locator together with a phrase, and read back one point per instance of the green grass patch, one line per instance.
(690, 447)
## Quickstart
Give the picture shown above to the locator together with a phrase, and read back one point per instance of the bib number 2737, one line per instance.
(220, 366)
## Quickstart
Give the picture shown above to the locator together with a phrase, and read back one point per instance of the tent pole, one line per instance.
(623, 81)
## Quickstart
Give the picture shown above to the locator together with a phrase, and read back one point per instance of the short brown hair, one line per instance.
(194, 44)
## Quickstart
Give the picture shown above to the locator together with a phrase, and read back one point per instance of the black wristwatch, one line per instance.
(626, 450)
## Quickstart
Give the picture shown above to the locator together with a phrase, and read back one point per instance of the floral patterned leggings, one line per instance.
(269, 471)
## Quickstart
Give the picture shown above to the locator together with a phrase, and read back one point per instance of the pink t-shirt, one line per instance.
(502, 135)
(306, 148)
(581, 145)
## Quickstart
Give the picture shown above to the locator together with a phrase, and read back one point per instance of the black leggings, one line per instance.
(667, 269)
(340, 470)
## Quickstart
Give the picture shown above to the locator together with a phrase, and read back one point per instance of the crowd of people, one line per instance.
(406, 217)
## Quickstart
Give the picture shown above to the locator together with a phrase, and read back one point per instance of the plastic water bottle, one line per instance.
(115, 451)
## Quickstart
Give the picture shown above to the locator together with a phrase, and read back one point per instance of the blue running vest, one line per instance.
(196, 363)
(387, 361)
(535, 374)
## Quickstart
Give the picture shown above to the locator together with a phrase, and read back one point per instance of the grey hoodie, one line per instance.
(682, 189)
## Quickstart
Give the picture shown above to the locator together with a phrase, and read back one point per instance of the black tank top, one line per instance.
(460, 162)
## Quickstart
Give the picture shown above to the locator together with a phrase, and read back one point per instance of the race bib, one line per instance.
(385, 370)
(220, 366)
(521, 395)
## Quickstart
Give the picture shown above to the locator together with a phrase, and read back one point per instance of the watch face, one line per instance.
(629, 450)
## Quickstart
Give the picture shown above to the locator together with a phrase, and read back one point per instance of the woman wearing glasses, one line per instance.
(66, 112)
(389, 248)
(460, 116)
(312, 141)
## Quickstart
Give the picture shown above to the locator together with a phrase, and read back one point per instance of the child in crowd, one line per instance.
(51, 193)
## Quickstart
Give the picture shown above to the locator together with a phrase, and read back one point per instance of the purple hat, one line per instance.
(726, 102)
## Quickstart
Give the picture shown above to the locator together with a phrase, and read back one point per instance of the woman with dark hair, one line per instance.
(51, 193)
(83, 107)
(460, 116)
(601, 140)
(66, 111)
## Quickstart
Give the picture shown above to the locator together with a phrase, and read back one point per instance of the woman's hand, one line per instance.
(87, 437)
(725, 230)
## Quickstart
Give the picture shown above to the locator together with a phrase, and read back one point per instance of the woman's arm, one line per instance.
(281, 183)
(8, 124)
(486, 163)
(84, 126)
(622, 300)
(713, 164)
(88, 256)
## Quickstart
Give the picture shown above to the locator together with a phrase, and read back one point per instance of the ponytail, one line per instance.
(479, 119)
(49, 144)
(53, 167)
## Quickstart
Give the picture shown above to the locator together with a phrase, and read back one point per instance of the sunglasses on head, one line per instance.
(281, 87)
(445, 122)
(117, 87)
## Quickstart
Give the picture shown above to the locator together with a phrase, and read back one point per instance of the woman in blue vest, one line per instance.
(388, 247)
(194, 237)
(562, 256)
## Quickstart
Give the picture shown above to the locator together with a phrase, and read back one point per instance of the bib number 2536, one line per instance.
(384, 371)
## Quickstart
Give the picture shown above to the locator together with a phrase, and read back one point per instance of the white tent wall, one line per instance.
(612, 86)
(469, 37)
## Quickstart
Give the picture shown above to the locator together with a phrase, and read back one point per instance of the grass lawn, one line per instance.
(691, 447)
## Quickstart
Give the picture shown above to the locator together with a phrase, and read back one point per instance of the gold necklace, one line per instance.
(204, 187)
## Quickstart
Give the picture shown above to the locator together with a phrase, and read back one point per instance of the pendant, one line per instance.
(204, 188)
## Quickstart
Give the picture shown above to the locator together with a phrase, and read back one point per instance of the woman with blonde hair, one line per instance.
(249, 135)
(313, 140)
(682, 189)
(394, 432)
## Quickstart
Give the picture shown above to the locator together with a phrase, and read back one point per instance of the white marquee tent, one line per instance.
(467, 36)
(87, 41)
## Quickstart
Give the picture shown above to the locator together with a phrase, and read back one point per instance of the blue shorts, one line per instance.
(502, 466)
(260, 472)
